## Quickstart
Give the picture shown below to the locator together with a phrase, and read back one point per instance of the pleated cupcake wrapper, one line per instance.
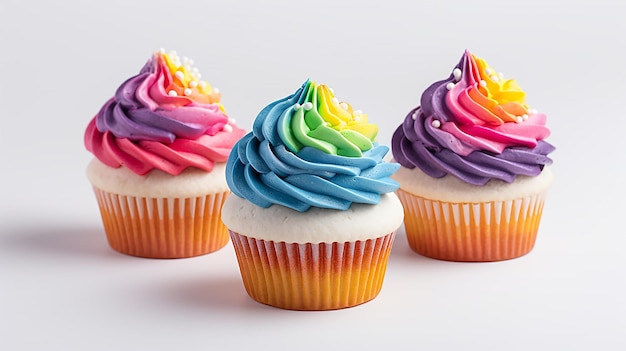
(309, 276)
(163, 227)
(486, 231)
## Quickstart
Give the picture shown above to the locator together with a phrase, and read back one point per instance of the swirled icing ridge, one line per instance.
(163, 118)
(310, 150)
(474, 125)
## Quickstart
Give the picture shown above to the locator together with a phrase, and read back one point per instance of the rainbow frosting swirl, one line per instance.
(309, 149)
(474, 125)
(163, 118)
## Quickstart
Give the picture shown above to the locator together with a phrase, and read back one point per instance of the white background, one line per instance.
(63, 288)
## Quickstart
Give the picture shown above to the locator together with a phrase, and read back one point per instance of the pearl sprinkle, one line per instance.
(187, 76)
(457, 74)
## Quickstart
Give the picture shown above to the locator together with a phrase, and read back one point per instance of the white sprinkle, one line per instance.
(307, 105)
(198, 75)
(195, 69)
(332, 90)
(335, 101)
(185, 59)
(494, 77)
(188, 92)
(187, 67)
(296, 106)
(232, 120)
(172, 93)
(525, 117)
(344, 106)
(532, 111)
(482, 83)
(414, 116)
(190, 61)
(161, 50)
(519, 119)
(501, 75)
(180, 75)
(457, 74)
(202, 84)
(227, 128)
(488, 71)
(358, 112)
(173, 53)
(449, 85)
(216, 90)
(193, 83)
(194, 74)
(436, 123)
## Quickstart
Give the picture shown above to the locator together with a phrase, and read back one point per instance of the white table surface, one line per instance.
(63, 288)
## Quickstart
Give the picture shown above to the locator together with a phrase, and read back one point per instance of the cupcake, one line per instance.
(474, 172)
(160, 146)
(313, 212)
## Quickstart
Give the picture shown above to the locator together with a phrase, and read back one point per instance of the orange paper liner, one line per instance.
(485, 231)
(163, 227)
(323, 276)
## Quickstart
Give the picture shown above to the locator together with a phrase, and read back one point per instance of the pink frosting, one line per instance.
(143, 127)
(143, 156)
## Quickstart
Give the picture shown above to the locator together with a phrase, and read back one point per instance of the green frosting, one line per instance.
(305, 124)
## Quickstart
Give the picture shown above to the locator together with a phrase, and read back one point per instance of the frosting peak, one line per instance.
(313, 117)
(475, 125)
(308, 149)
(166, 118)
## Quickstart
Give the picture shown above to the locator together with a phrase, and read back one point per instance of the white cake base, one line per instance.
(278, 223)
(452, 189)
(192, 182)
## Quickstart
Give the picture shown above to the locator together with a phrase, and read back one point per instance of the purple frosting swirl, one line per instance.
(433, 139)
(142, 109)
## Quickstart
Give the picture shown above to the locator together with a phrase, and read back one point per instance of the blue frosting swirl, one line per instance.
(264, 171)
